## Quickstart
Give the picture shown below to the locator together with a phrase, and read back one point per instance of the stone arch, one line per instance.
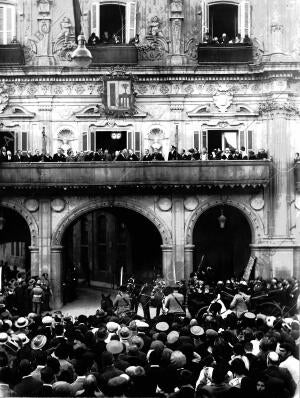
(28, 217)
(98, 204)
(254, 221)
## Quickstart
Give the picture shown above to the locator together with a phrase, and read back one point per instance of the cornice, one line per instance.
(213, 72)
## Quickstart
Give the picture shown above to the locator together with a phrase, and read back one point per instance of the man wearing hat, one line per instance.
(122, 302)
(37, 297)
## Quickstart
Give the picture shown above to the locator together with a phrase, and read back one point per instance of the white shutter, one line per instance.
(95, 19)
(92, 141)
(242, 139)
(196, 140)
(204, 140)
(84, 141)
(137, 143)
(130, 20)
(247, 18)
(250, 140)
(129, 140)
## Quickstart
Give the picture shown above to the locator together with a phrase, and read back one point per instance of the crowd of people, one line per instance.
(130, 155)
(224, 40)
(115, 352)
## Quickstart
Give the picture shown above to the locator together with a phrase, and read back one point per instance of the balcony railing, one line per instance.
(225, 54)
(108, 175)
(11, 54)
(111, 54)
(297, 176)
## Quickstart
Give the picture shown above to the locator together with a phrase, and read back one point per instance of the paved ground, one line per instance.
(89, 299)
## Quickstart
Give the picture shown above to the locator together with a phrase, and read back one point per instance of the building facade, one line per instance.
(138, 217)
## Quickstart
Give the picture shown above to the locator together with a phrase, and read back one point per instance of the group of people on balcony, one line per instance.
(224, 40)
(130, 155)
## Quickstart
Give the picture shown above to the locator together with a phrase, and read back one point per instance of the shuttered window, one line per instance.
(7, 23)
(137, 143)
(84, 141)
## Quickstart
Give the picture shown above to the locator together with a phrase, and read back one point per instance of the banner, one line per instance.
(249, 267)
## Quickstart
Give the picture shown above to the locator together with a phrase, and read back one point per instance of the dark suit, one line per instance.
(17, 158)
(147, 158)
(28, 387)
(157, 156)
(59, 158)
(173, 155)
(47, 391)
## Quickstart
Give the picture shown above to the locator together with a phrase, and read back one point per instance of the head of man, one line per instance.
(285, 350)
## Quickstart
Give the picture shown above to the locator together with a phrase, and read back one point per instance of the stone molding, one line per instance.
(88, 206)
(28, 217)
(255, 223)
(270, 106)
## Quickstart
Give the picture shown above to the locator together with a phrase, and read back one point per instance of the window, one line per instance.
(229, 17)
(7, 23)
(117, 17)
(223, 18)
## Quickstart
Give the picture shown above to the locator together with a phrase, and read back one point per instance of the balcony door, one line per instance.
(221, 139)
(114, 17)
(223, 18)
(229, 17)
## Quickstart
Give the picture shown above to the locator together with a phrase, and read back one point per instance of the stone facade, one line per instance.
(176, 101)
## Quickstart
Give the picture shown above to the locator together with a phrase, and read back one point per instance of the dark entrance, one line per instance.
(223, 18)
(14, 241)
(112, 20)
(101, 242)
(226, 250)
(111, 140)
(214, 140)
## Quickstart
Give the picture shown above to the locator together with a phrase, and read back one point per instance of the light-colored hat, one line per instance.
(24, 339)
(125, 333)
(47, 320)
(115, 347)
(21, 322)
(38, 342)
(197, 330)
(3, 338)
(162, 326)
(172, 337)
(112, 327)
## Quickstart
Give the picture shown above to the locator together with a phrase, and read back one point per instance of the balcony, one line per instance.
(225, 54)
(114, 54)
(133, 175)
(11, 54)
(297, 176)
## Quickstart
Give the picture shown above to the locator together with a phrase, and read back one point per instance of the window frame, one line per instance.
(4, 30)
(244, 15)
(130, 25)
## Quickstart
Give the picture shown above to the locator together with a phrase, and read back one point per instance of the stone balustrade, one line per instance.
(110, 175)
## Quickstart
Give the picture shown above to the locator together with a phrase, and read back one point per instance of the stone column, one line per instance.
(278, 111)
(45, 214)
(169, 273)
(56, 276)
(34, 260)
(176, 20)
(188, 260)
(178, 233)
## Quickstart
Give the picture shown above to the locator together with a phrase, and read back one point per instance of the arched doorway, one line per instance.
(102, 242)
(225, 248)
(15, 240)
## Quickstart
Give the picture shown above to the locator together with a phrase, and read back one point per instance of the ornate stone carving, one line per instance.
(153, 49)
(257, 203)
(155, 27)
(58, 205)
(191, 203)
(4, 97)
(164, 204)
(223, 99)
(258, 50)
(269, 106)
(190, 48)
(31, 205)
(65, 42)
